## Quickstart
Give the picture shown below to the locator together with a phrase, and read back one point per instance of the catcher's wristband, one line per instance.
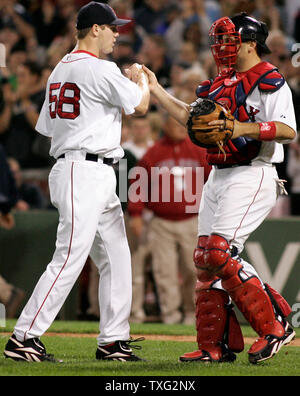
(267, 130)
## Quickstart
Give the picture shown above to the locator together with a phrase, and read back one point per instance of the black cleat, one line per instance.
(119, 351)
(265, 348)
(31, 350)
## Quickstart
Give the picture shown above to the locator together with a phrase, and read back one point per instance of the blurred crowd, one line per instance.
(171, 38)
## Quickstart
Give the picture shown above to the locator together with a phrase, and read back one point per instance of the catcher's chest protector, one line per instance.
(233, 95)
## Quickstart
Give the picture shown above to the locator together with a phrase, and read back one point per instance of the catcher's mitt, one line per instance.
(202, 112)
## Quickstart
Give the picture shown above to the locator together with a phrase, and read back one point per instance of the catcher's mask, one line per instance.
(225, 43)
(227, 34)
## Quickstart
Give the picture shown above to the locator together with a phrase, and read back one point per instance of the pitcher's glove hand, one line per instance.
(204, 111)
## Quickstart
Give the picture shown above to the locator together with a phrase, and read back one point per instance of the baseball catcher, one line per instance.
(243, 117)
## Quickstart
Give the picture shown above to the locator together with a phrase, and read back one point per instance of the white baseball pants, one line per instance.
(235, 201)
(90, 222)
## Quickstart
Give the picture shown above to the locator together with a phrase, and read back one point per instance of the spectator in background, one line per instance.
(47, 21)
(189, 54)
(18, 56)
(176, 77)
(140, 137)
(67, 8)
(65, 40)
(268, 12)
(131, 151)
(293, 170)
(57, 51)
(14, 14)
(278, 42)
(172, 229)
(10, 37)
(139, 140)
(212, 10)
(193, 34)
(156, 124)
(8, 192)
(192, 18)
(231, 7)
(190, 82)
(29, 195)
(172, 13)
(123, 53)
(292, 11)
(10, 295)
(153, 53)
(35, 52)
(151, 15)
(20, 114)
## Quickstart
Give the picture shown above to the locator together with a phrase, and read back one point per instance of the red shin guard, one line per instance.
(255, 304)
(216, 323)
(211, 318)
(249, 295)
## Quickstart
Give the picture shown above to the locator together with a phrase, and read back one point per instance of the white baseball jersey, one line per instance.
(82, 114)
(83, 106)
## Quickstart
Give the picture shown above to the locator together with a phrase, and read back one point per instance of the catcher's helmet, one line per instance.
(226, 35)
(251, 29)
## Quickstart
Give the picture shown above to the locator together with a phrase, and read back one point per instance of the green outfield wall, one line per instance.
(274, 250)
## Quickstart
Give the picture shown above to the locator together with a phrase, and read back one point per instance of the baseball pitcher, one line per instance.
(82, 114)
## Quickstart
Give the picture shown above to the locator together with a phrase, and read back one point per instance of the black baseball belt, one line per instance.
(94, 158)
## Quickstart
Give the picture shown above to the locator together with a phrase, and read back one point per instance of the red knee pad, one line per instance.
(217, 252)
(203, 274)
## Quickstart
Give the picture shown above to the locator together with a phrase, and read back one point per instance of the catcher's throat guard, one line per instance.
(202, 112)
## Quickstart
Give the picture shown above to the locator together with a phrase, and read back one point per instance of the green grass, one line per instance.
(78, 355)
